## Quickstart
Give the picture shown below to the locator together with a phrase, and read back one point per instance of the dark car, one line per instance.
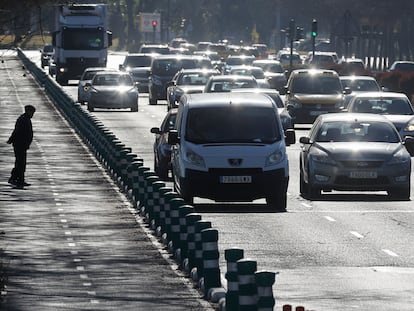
(112, 89)
(162, 150)
(187, 81)
(46, 55)
(355, 152)
(139, 67)
(163, 69)
(402, 66)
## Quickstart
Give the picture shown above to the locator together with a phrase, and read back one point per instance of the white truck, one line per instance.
(80, 38)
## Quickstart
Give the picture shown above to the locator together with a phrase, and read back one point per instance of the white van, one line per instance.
(230, 147)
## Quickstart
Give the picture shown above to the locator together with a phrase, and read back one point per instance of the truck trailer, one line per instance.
(80, 38)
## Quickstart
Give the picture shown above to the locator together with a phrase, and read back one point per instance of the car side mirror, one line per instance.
(173, 137)
(290, 137)
(283, 90)
(121, 67)
(155, 130)
(304, 140)
(170, 83)
(347, 91)
(409, 145)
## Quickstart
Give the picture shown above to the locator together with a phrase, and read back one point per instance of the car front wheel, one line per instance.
(402, 193)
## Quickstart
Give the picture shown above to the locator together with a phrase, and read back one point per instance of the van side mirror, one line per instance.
(290, 137)
(283, 90)
(173, 137)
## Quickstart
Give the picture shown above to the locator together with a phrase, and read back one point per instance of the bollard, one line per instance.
(166, 195)
(189, 262)
(159, 190)
(141, 184)
(197, 272)
(264, 283)
(182, 251)
(232, 255)
(211, 255)
(247, 284)
(165, 216)
(287, 308)
(148, 206)
(134, 176)
(175, 224)
(300, 308)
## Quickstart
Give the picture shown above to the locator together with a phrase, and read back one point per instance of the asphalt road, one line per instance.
(345, 251)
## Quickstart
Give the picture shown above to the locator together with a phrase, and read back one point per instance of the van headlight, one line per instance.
(194, 158)
(275, 158)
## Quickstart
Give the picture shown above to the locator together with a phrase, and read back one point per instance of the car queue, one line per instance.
(184, 75)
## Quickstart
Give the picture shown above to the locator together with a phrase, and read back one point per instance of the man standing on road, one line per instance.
(21, 138)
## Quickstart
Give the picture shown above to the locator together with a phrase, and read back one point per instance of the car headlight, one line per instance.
(275, 158)
(321, 157)
(194, 158)
(400, 157)
(409, 127)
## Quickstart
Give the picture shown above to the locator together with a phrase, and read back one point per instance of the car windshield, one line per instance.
(88, 75)
(137, 61)
(232, 124)
(258, 74)
(193, 78)
(393, 106)
(316, 85)
(227, 86)
(356, 132)
(112, 80)
(48, 48)
(361, 85)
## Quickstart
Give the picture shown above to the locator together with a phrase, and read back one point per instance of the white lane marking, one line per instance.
(83, 276)
(80, 268)
(94, 301)
(68, 233)
(92, 293)
(306, 204)
(77, 260)
(329, 218)
(358, 211)
(87, 284)
(358, 235)
(72, 244)
(391, 253)
(63, 220)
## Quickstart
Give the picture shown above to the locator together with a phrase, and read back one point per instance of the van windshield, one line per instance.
(232, 124)
(171, 66)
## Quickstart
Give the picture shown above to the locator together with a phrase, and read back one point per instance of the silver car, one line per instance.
(112, 89)
(86, 77)
(396, 107)
(355, 152)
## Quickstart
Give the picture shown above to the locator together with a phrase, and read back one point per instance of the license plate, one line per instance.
(317, 113)
(363, 174)
(235, 179)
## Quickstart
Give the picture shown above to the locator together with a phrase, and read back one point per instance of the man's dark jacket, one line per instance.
(22, 136)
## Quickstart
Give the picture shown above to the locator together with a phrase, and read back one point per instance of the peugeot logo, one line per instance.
(235, 162)
(362, 164)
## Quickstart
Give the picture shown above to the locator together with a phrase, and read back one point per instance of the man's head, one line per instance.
(29, 110)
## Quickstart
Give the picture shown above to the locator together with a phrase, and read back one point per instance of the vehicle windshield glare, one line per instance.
(319, 85)
(361, 85)
(356, 132)
(138, 61)
(233, 124)
(393, 106)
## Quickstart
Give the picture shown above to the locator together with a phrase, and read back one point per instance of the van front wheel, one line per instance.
(277, 202)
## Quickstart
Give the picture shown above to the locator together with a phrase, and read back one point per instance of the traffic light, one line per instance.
(292, 29)
(154, 24)
(314, 32)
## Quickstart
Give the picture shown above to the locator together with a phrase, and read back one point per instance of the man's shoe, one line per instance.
(25, 184)
(12, 181)
(18, 186)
